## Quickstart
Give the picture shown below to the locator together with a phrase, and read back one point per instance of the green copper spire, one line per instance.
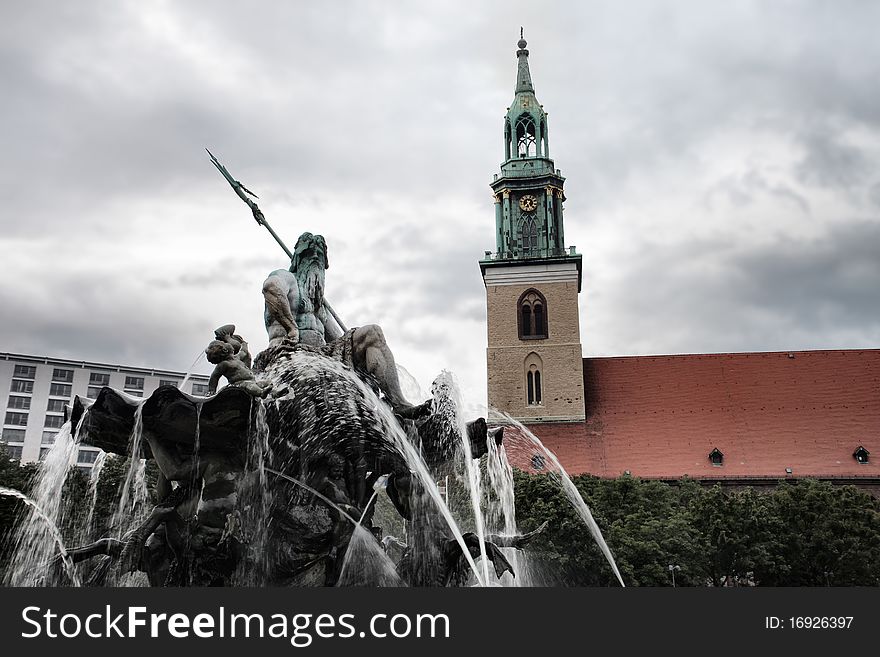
(528, 190)
(526, 124)
(523, 77)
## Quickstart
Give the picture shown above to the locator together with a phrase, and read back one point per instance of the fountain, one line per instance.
(275, 478)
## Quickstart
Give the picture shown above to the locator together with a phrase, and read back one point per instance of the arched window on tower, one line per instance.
(545, 148)
(530, 236)
(525, 137)
(534, 382)
(532, 315)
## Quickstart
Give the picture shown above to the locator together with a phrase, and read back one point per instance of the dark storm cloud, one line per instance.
(748, 189)
(831, 162)
(791, 293)
(95, 317)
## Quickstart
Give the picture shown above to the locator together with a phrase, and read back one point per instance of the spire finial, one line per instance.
(521, 44)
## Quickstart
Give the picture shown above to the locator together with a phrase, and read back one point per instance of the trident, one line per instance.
(245, 195)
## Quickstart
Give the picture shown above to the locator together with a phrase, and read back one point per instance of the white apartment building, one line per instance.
(38, 388)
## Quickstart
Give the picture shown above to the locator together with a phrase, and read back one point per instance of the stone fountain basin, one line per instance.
(168, 414)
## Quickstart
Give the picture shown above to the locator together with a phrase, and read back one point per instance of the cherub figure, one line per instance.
(226, 333)
(223, 356)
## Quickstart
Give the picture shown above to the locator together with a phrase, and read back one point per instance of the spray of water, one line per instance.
(85, 533)
(396, 437)
(133, 497)
(51, 528)
(192, 367)
(501, 512)
(523, 443)
(447, 405)
(33, 544)
(321, 497)
(366, 563)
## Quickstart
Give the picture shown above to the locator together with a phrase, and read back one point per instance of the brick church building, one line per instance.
(734, 418)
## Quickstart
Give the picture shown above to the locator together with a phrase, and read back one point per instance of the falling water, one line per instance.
(85, 533)
(447, 405)
(133, 497)
(366, 563)
(254, 501)
(320, 496)
(393, 433)
(33, 544)
(50, 526)
(410, 387)
(522, 442)
(501, 511)
(372, 565)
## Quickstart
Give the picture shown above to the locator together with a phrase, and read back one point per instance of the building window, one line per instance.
(60, 390)
(23, 403)
(538, 462)
(93, 392)
(716, 457)
(135, 382)
(22, 386)
(25, 371)
(861, 455)
(168, 382)
(14, 451)
(87, 456)
(525, 137)
(64, 376)
(54, 421)
(530, 237)
(135, 393)
(534, 380)
(200, 389)
(13, 435)
(55, 406)
(533, 384)
(99, 379)
(532, 315)
(17, 419)
(49, 437)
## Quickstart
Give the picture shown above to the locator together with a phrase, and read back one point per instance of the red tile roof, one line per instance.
(661, 416)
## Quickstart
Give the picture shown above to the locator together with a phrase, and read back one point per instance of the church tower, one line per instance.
(534, 357)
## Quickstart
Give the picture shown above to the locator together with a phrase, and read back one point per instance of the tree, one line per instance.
(19, 477)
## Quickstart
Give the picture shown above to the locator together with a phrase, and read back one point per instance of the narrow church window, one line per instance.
(716, 457)
(532, 315)
(533, 366)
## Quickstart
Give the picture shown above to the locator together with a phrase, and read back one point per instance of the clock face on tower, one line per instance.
(528, 203)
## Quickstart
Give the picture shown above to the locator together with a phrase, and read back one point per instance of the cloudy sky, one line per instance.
(721, 163)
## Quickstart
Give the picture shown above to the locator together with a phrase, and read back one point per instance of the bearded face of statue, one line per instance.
(312, 281)
(309, 266)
